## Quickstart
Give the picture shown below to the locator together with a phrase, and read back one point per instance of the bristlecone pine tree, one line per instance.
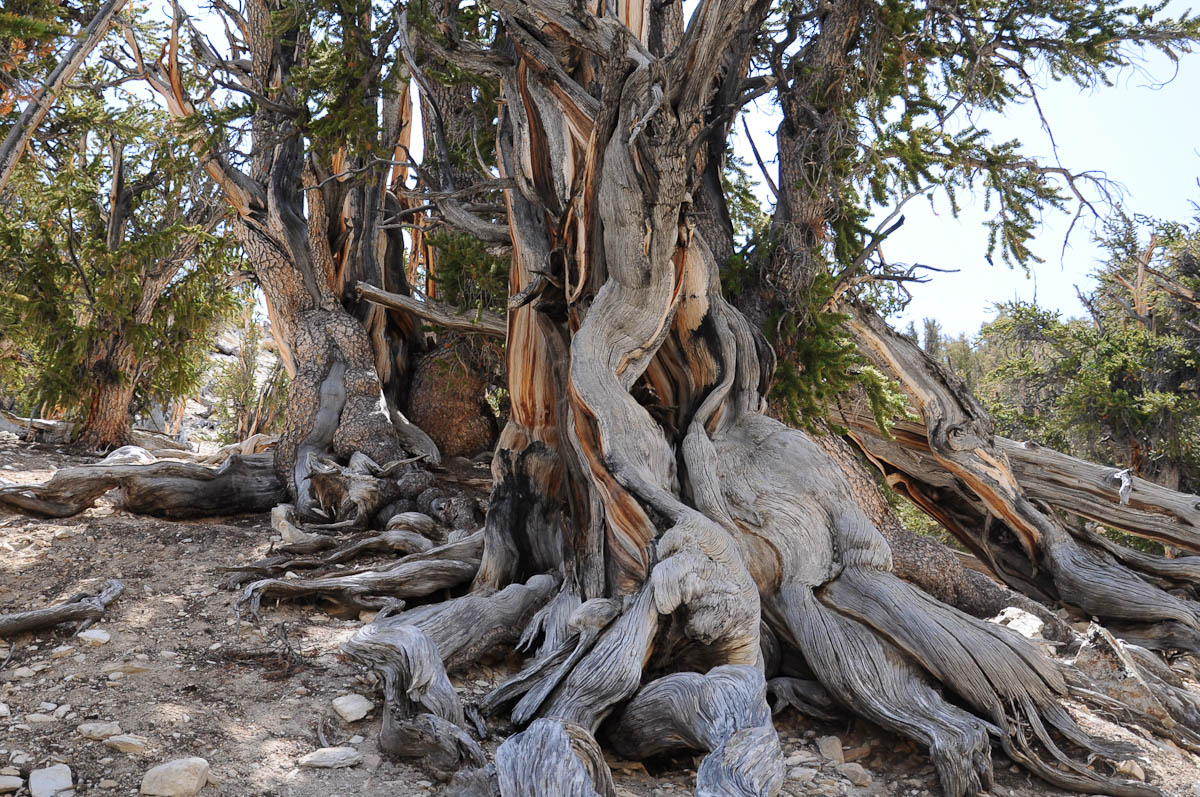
(113, 266)
(679, 552)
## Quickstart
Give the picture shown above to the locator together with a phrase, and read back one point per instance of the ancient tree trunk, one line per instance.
(691, 531)
(107, 425)
(303, 262)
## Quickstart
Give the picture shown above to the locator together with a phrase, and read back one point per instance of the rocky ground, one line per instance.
(172, 674)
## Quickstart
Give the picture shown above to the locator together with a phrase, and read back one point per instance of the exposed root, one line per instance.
(553, 757)
(723, 713)
(413, 576)
(84, 608)
(399, 541)
(423, 717)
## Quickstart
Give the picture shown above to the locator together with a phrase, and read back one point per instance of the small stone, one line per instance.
(63, 534)
(10, 783)
(1132, 769)
(39, 719)
(116, 676)
(856, 774)
(831, 748)
(127, 743)
(107, 783)
(801, 774)
(356, 739)
(182, 777)
(47, 707)
(331, 758)
(371, 762)
(99, 730)
(352, 707)
(50, 781)
(4, 710)
(62, 711)
(62, 651)
(94, 637)
(24, 672)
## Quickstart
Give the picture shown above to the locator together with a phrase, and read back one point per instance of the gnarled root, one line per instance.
(553, 757)
(413, 651)
(723, 712)
(410, 577)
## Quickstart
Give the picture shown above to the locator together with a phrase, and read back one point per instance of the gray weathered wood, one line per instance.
(85, 608)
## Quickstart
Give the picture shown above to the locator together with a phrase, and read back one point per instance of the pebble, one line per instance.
(831, 748)
(10, 783)
(107, 783)
(1132, 769)
(99, 730)
(356, 739)
(801, 774)
(39, 719)
(62, 651)
(352, 707)
(182, 777)
(856, 774)
(24, 672)
(62, 711)
(4, 710)
(372, 762)
(331, 758)
(94, 637)
(116, 676)
(50, 781)
(127, 743)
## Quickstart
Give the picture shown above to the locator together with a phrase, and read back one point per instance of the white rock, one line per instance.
(50, 781)
(24, 672)
(182, 777)
(10, 783)
(1021, 621)
(4, 710)
(94, 637)
(127, 743)
(99, 730)
(831, 748)
(331, 758)
(352, 707)
(62, 711)
(39, 719)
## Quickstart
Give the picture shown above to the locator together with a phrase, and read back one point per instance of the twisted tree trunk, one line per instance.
(691, 531)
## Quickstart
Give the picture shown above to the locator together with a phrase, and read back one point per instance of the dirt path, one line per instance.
(183, 674)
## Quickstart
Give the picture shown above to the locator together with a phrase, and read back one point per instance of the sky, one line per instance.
(1142, 133)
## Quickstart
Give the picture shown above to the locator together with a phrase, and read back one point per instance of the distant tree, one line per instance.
(1124, 385)
(114, 267)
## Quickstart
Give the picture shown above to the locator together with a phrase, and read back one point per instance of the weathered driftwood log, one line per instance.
(243, 484)
(84, 608)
